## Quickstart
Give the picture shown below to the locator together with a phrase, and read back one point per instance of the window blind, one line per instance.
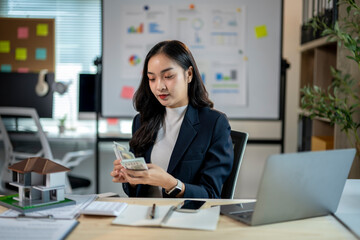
(77, 42)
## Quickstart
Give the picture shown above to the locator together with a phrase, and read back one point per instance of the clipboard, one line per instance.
(35, 228)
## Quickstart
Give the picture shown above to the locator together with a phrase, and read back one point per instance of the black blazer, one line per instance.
(202, 156)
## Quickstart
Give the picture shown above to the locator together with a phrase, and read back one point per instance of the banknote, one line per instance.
(128, 159)
(137, 164)
(122, 152)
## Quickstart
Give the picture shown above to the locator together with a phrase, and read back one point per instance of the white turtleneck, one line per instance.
(167, 136)
(165, 142)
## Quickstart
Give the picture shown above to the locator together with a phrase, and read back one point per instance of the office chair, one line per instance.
(239, 140)
(29, 140)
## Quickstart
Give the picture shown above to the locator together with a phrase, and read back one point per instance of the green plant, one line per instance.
(62, 120)
(340, 102)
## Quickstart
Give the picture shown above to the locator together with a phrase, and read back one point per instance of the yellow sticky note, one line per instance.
(21, 54)
(42, 29)
(4, 46)
(260, 31)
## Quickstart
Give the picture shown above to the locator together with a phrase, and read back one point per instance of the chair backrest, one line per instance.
(239, 140)
(24, 113)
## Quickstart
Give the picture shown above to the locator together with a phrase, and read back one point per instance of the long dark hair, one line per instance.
(150, 109)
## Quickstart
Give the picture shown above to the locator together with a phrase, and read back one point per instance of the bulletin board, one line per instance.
(236, 45)
(27, 45)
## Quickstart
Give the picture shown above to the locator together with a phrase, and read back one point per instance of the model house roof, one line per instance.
(38, 165)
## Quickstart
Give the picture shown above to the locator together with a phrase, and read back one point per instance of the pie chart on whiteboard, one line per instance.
(134, 60)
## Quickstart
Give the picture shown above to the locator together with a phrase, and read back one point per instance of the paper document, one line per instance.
(104, 208)
(138, 215)
(351, 220)
(34, 229)
(348, 211)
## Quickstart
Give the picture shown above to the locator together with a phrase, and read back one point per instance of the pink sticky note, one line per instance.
(112, 121)
(23, 32)
(23, 70)
(127, 92)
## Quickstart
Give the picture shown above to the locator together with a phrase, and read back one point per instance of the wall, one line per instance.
(291, 43)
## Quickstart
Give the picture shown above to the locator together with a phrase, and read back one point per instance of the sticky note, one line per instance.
(23, 32)
(23, 70)
(21, 54)
(40, 54)
(4, 46)
(112, 121)
(5, 68)
(127, 92)
(260, 31)
(42, 29)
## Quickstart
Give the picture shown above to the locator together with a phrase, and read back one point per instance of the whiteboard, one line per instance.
(236, 45)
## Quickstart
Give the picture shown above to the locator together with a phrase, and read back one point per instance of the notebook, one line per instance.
(296, 186)
(138, 215)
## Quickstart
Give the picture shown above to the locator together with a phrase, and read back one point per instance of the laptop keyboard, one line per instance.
(242, 211)
(244, 215)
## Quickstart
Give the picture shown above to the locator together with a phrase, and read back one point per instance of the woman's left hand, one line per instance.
(155, 176)
(116, 172)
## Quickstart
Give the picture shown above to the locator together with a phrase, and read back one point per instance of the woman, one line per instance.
(186, 144)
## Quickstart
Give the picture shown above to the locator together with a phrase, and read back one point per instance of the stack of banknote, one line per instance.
(128, 160)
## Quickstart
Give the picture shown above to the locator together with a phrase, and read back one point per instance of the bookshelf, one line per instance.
(317, 57)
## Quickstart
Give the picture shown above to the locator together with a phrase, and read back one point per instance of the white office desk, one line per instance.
(71, 136)
(54, 136)
(326, 227)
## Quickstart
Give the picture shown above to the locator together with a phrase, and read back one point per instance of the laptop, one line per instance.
(296, 186)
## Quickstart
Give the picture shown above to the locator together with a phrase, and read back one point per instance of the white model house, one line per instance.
(39, 181)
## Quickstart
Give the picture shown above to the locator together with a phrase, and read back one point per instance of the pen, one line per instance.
(152, 212)
(168, 214)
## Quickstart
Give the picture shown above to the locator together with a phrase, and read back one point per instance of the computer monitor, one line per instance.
(87, 96)
(18, 90)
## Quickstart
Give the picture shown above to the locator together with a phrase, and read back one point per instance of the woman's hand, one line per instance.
(155, 176)
(116, 173)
